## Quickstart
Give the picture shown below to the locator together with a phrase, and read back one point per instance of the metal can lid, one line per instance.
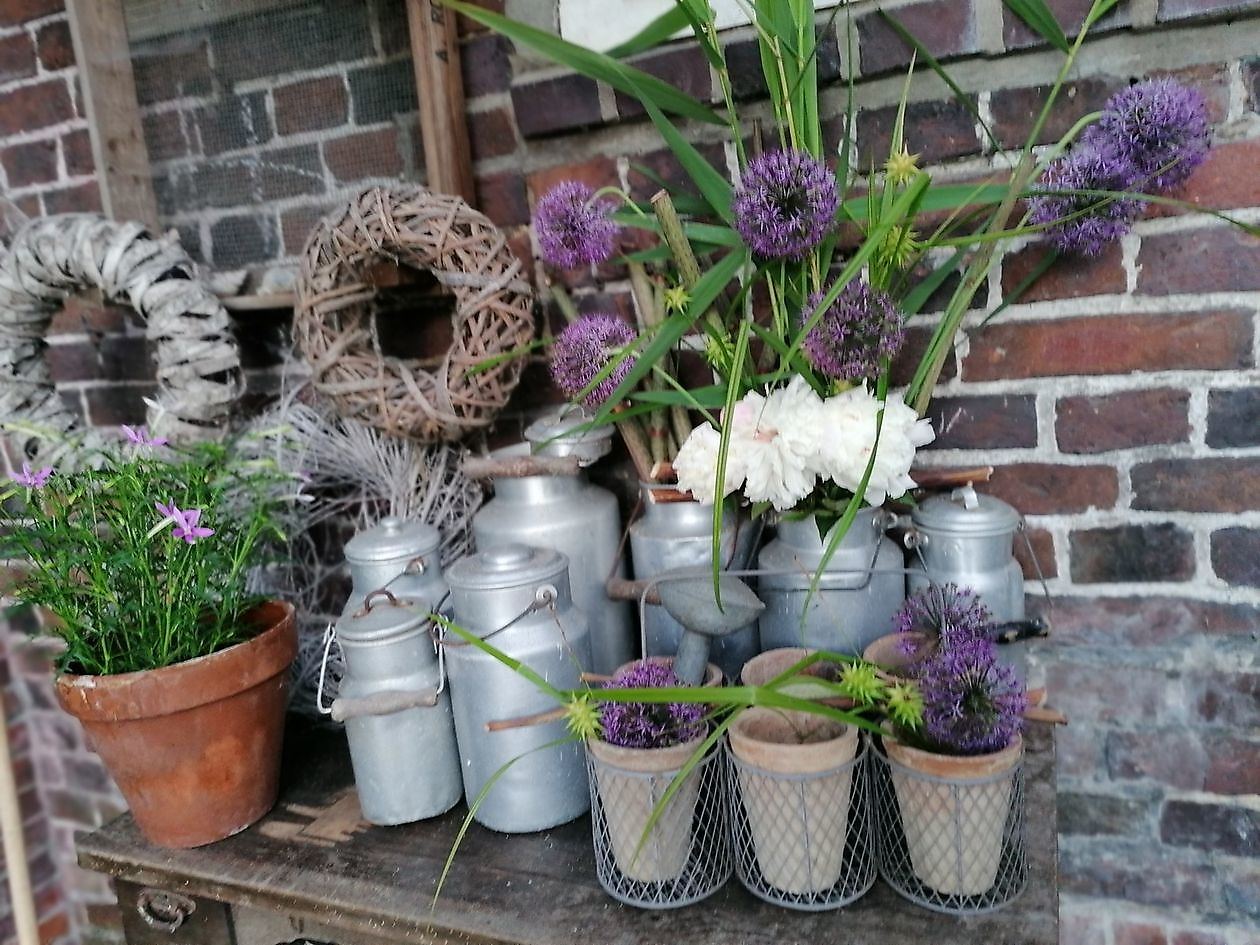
(393, 538)
(505, 566)
(965, 512)
(381, 617)
(568, 432)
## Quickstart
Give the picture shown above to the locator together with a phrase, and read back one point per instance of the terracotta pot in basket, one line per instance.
(195, 747)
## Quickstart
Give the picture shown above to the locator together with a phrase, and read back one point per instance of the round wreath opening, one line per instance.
(492, 321)
(197, 361)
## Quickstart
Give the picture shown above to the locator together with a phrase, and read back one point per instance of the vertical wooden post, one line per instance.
(435, 54)
(24, 917)
(99, 31)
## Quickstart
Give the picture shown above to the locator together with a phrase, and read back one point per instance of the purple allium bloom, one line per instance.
(1083, 223)
(140, 436)
(31, 479)
(862, 326)
(187, 527)
(785, 204)
(583, 350)
(1159, 128)
(972, 704)
(649, 724)
(573, 228)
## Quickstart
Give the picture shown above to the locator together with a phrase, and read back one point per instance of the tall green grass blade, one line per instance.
(1041, 21)
(660, 29)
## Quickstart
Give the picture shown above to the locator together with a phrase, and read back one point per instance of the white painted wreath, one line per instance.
(198, 364)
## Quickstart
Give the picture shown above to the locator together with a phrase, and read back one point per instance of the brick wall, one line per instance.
(1120, 401)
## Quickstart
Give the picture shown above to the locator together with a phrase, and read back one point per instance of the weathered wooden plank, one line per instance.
(435, 56)
(99, 32)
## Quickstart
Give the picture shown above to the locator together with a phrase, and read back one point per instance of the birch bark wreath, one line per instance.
(426, 399)
(197, 359)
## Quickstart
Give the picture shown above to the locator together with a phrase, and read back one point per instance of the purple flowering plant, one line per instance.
(937, 618)
(144, 552)
(649, 724)
(972, 703)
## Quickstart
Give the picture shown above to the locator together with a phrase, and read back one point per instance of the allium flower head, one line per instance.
(861, 327)
(574, 229)
(33, 479)
(583, 350)
(785, 204)
(947, 613)
(972, 704)
(1080, 223)
(1159, 127)
(649, 724)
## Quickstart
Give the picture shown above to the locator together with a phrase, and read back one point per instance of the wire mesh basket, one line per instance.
(684, 858)
(953, 845)
(804, 841)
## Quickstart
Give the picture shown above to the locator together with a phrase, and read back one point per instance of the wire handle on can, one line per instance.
(330, 634)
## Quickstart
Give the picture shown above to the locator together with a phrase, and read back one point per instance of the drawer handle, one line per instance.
(164, 910)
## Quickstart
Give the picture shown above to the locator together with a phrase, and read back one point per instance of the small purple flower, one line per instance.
(649, 724)
(170, 511)
(187, 527)
(140, 436)
(583, 350)
(860, 328)
(1084, 224)
(972, 704)
(1158, 127)
(785, 204)
(31, 479)
(574, 229)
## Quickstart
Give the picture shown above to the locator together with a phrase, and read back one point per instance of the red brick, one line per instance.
(997, 421)
(1197, 937)
(1233, 766)
(665, 166)
(1233, 417)
(945, 27)
(82, 198)
(56, 50)
(938, 131)
(491, 133)
(1137, 933)
(1122, 421)
(27, 164)
(1112, 344)
(364, 155)
(1205, 260)
(53, 927)
(1082, 929)
(1093, 694)
(917, 340)
(684, 67)
(1042, 543)
(1226, 180)
(1048, 489)
(1229, 699)
(1148, 620)
(1131, 553)
(1186, 9)
(1070, 15)
(296, 226)
(1197, 485)
(562, 103)
(485, 65)
(1015, 110)
(311, 105)
(118, 403)
(1236, 556)
(1172, 757)
(501, 197)
(78, 315)
(165, 74)
(17, 57)
(77, 149)
(1067, 278)
(117, 357)
(29, 107)
(164, 135)
(1220, 828)
(13, 12)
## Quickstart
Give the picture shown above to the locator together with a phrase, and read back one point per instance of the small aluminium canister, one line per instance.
(517, 598)
(397, 712)
(399, 554)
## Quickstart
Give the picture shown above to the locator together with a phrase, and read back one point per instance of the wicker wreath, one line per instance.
(427, 400)
(198, 363)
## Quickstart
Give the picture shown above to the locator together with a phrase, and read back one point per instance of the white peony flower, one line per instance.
(697, 461)
(776, 439)
(848, 429)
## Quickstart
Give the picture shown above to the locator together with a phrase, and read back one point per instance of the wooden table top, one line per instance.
(313, 856)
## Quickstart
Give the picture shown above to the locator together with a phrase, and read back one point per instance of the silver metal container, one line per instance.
(967, 539)
(572, 516)
(678, 535)
(400, 554)
(857, 596)
(397, 712)
(517, 598)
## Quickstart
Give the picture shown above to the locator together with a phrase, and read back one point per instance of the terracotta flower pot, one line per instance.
(766, 666)
(629, 799)
(195, 747)
(955, 823)
(799, 828)
(887, 651)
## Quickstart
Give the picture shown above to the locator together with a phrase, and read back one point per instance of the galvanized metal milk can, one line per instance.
(967, 539)
(517, 598)
(399, 554)
(397, 712)
(674, 535)
(572, 516)
(856, 597)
